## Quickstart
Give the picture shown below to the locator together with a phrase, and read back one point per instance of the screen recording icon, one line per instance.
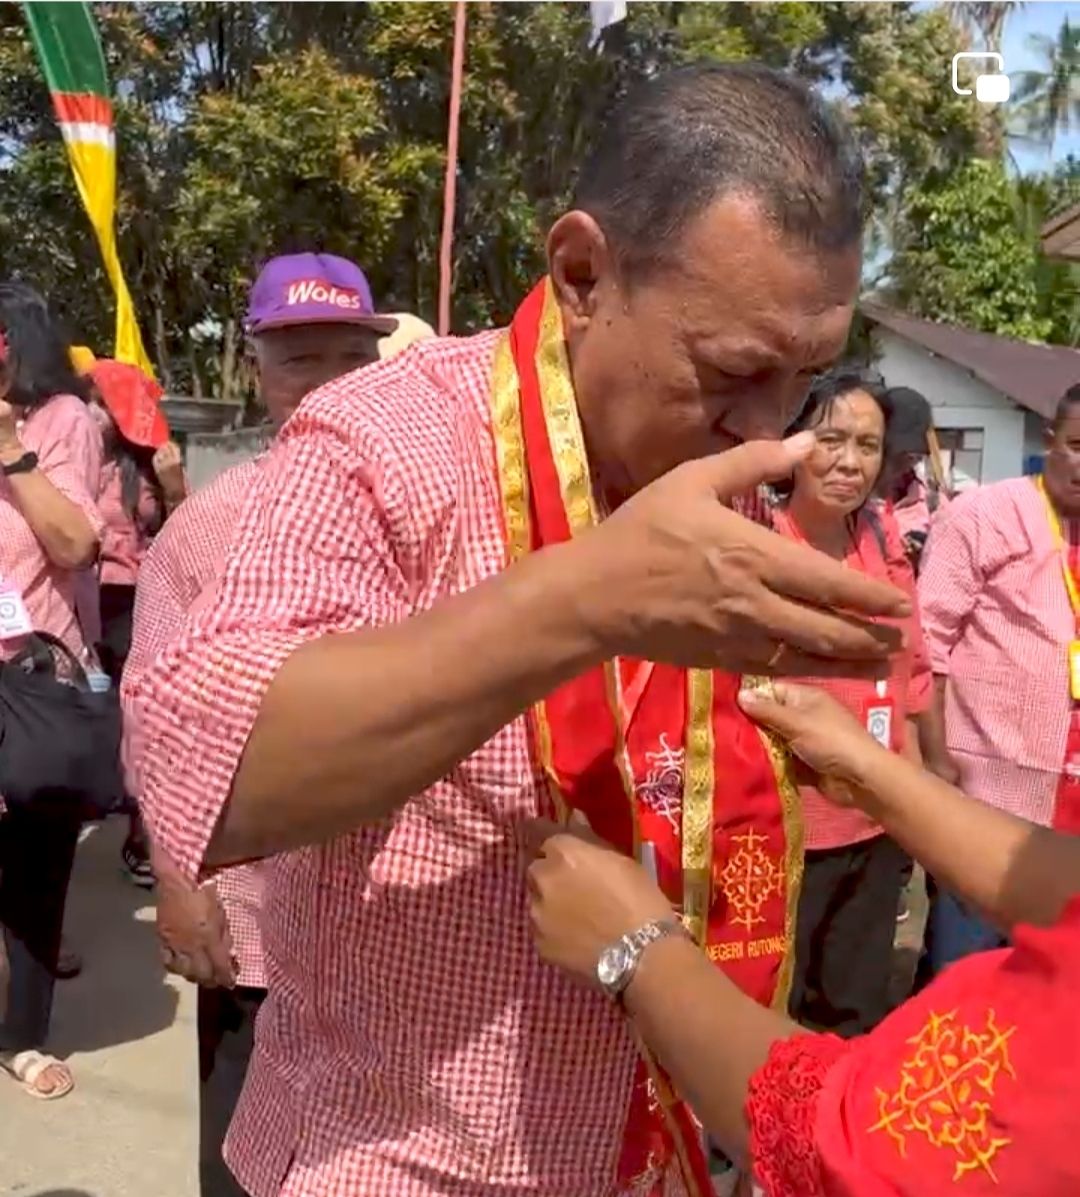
(991, 88)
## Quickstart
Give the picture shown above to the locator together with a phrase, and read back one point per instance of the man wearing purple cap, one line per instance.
(310, 320)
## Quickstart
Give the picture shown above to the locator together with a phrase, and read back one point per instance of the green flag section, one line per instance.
(66, 39)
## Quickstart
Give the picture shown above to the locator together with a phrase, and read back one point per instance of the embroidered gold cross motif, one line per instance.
(749, 878)
(946, 1089)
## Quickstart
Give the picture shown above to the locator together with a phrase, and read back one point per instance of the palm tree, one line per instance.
(985, 20)
(1048, 100)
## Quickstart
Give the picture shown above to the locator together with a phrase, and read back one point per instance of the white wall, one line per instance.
(208, 454)
(958, 400)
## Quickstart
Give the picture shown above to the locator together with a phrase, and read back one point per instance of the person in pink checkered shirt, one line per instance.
(1001, 612)
(210, 934)
(353, 704)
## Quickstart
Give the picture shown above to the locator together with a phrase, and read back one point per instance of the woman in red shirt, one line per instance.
(969, 1089)
(854, 872)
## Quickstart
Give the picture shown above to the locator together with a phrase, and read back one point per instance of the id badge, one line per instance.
(879, 716)
(1074, 670)
(14, 618)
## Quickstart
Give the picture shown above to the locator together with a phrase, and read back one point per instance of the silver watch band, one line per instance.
(618, 963)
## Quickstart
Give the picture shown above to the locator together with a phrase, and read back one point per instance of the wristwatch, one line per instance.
(618, 962)
(21, 465)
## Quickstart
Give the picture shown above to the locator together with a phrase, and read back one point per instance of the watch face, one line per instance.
(613, 965)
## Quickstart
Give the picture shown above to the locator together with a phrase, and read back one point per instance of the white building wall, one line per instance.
(209, 454)
(959, 401)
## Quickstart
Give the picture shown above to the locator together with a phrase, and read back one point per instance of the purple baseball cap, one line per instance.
(312, 289)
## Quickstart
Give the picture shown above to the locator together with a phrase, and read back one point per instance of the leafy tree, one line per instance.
(966, 257)
(255, 128)
(983, 22)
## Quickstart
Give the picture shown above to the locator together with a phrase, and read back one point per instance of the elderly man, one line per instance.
(438, 619)
(301, 337)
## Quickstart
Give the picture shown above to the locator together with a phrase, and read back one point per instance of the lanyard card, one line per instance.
(1074, 670)
(878, 716)
(14, 618)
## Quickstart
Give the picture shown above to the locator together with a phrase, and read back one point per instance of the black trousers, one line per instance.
(845, 935)
(117, 607)
(226, 1022)
(37, 852)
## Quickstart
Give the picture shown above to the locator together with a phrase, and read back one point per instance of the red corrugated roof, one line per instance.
(1031, 375)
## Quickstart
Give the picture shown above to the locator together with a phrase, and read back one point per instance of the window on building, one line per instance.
(962, 453)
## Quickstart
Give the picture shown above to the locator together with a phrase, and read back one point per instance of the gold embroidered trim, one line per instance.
(561, 417)
(791, 805)
(514, 486)
(697, 805)
(575, 486)
(510, 450)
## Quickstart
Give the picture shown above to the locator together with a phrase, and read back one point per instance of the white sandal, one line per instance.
(26, 1067)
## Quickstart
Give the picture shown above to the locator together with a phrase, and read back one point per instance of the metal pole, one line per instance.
(446, 246)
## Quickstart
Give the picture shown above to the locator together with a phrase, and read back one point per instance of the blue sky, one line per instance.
(1045, 18)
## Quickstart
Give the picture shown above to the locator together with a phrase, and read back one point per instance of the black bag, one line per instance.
(59, 740)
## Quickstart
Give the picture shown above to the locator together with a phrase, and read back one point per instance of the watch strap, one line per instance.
(21, 465)
(635, 943)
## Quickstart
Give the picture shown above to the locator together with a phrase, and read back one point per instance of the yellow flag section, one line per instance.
(69, 50)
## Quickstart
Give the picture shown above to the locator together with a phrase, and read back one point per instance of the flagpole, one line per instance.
(446, 247)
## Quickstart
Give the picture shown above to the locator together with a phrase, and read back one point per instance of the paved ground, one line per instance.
(128, 1129)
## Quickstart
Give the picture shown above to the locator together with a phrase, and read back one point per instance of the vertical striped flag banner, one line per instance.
(69, 49)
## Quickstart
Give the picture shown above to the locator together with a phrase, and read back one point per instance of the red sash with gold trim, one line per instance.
(661, 760)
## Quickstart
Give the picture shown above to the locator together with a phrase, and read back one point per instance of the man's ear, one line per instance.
(580, 263)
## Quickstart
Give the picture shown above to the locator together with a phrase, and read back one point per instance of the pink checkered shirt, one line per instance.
(878, 552)
(180, 567)
(68, 444)
(413, 1044)
(998, 623)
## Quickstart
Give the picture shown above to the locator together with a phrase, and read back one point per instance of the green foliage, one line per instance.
(966, 257)
(249, 129)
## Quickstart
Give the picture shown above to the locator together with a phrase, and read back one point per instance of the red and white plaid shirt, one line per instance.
(998, 622)
(413, 1044)
(180, 568)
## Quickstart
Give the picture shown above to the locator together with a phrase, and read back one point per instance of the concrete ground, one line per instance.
(128, 1033)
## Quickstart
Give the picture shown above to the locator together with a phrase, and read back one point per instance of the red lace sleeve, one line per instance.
(781, 1106)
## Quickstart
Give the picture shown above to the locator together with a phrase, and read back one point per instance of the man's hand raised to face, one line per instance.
(676, 576)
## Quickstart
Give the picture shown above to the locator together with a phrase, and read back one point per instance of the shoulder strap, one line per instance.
(873, 518)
